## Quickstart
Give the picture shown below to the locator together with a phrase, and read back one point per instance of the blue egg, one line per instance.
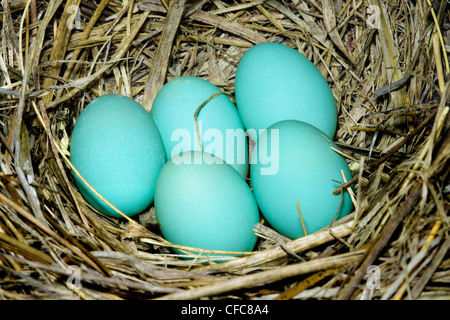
(218, 124)
(275, 82)
(116, 147)
(293, 163)
(202, 202)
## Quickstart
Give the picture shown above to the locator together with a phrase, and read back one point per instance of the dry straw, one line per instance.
(387, 65)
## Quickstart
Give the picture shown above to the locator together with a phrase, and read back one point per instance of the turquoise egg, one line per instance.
(116, 147)
(218, 123)
(202, 202)
(275, 82)
(292, 162)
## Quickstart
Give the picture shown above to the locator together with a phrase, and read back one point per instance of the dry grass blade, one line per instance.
(121, 51)
(229, 26)
(387, 66)
(437, 259)
(161, 62)
(380, 243)
(20, 247)
(390, 52)
(304, 284)
(58, 52)
(329, 17)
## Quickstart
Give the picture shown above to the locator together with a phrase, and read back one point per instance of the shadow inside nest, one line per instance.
(387, 67)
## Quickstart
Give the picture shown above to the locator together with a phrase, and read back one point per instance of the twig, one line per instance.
(266, 277)
(296, 246)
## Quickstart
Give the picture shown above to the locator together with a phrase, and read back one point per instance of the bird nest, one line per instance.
(386, 64)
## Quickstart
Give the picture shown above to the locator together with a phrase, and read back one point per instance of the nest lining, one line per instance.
(386, 63)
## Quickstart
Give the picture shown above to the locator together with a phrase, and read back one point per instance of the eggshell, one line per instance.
(275, 82)
(218, 123)
(202, 202)
(293, 162)
(116, 147)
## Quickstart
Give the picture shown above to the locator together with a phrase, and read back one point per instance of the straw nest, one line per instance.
(386, 63)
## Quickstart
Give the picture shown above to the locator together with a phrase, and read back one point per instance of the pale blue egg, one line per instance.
(275, 82)
(116, 147)
(218, 123)
(202, 202)
(292, 162)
